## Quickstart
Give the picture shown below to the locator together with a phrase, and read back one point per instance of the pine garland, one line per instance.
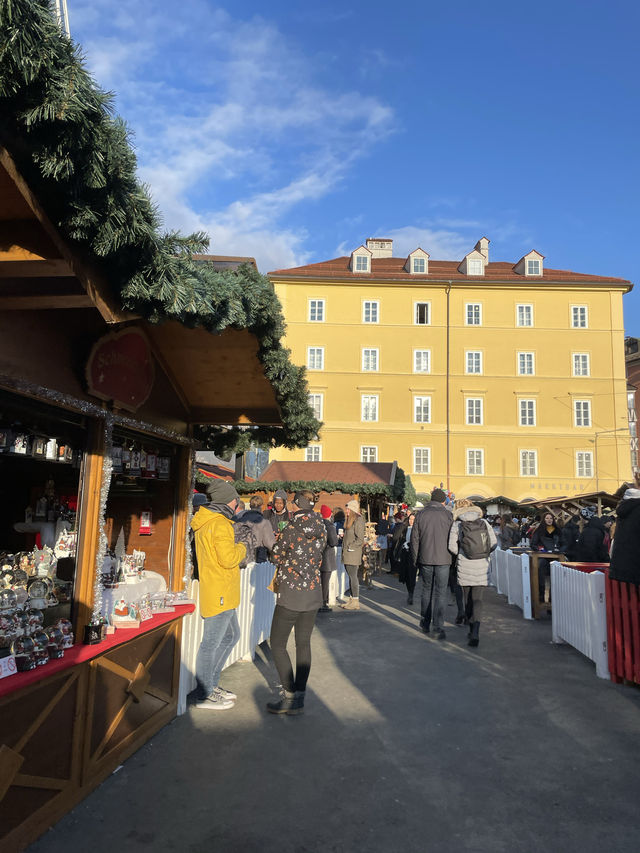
(76, 156)
(392, 492)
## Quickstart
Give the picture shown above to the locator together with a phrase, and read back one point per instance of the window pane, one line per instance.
(474, 411)
(533, 267)
(525, 315)
(370, 312)
(421, 460)
(315, 358)
(362, 263)
(422, 313)
(475, 461)
(473, 315)
(474, 362)
(474, 267)
(422, 406)
(315, 401)
(316, 310)
(421, 363)
(580, 364)
(579, 316)
(369, 454)
(312, 454)
(369, 407)
(419, 265)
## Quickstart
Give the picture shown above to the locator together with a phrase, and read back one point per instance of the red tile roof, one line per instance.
(393, 268)
(338, 472)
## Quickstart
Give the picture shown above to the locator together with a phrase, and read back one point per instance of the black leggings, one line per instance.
(325, 579)
(354, 584)
(283, 621)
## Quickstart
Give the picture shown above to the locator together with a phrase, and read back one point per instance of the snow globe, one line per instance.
(23, 650)
(8, 601)
(40, 643)
(67, 632)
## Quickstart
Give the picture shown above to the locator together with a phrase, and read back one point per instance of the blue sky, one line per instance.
(291, 131)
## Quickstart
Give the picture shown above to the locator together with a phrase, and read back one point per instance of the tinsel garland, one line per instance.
(107, 469)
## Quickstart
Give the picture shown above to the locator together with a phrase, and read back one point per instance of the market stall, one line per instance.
(116, 346)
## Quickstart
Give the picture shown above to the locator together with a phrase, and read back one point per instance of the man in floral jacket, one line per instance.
(298, 558)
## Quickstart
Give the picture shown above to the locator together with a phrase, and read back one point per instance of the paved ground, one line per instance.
(408, 744)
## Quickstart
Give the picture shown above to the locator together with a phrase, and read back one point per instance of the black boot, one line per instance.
(474, 634)
(284, 704)
(297, 706)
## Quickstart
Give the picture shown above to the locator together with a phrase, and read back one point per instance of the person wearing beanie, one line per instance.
(218, 558)
(328, 557)
(472, 538)
(298, 558)
(430, 552)
(278, 516)
(352, 544)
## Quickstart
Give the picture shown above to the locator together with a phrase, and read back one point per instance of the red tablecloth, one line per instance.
(587, 567)
(81, 653)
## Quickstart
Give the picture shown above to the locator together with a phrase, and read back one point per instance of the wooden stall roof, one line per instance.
(345, 472)
(573, 503)
(219, 379)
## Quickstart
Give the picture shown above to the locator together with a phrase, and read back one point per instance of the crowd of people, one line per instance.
(446, 543)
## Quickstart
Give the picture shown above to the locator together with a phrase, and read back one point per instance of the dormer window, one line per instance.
(530, 264)
(473, 263)
(417, 263)
(475, 267)
(361, 260)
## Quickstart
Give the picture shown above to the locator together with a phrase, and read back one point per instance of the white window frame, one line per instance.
(579, 414)
(584, 458)
(579, 308)
(524, 305)
(377, 357)
(426, 352)
(366, 266)
(525, 470)
(317, 350)
(364, 397)
(472, 411)
(313, 450)
(423, 262)
(473, 352)
(538, 266)
(320, 397)
(580, 355)
(468, 305)
(425, 402)
(425, 464)
(370, 302)
(529, 402)
(364, 447)
(415, 312)
(317, 304)
(533, 362)
(470, 465)
(477, 264)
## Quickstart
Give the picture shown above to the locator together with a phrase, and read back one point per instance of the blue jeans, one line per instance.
(435, 580)
(221, 633)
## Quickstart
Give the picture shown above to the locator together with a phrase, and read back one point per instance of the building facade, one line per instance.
(490, 378)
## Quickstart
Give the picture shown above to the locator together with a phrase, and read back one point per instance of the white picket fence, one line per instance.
(579, 613)
(510, 576)
(254, 615)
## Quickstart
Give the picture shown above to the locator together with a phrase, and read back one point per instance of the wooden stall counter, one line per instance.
(66, 726)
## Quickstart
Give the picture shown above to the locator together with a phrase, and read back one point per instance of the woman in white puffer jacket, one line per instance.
(473, 568)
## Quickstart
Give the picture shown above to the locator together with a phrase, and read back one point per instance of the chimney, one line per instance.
(380, 247)
(483, 247)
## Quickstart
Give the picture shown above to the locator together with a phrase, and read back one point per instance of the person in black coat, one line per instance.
(590, 547)
(569, 536)
(546, 537)
(625, 565)
(397, 541)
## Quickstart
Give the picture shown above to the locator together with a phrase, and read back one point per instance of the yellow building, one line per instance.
(491, 378)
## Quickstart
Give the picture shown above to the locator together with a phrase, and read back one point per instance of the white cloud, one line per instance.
(233, 131)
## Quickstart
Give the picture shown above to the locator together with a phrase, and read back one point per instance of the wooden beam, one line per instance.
(35, 269)
(44, 302)
(92, 281)
(236, 415)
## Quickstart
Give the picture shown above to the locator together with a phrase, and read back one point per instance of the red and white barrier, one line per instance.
(579, 612)
(623, 630)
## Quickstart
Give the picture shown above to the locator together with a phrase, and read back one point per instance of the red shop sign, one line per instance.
(120, 368)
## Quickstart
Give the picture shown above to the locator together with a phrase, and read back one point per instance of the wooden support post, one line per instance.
(89, 526)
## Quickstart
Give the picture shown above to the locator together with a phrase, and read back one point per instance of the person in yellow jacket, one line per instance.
(219, 559)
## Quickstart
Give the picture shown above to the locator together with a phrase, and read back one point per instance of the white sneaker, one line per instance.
(225, 694)
(215, 702)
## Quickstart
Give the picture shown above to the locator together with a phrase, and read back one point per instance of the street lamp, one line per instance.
(595, 442)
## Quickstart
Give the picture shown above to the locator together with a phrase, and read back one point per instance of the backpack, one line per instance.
(473, 539)
(243, 532)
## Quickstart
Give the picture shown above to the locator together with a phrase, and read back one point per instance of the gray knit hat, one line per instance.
(221, 492)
